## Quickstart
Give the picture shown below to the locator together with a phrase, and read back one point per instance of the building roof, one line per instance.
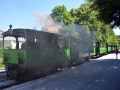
(1, 31)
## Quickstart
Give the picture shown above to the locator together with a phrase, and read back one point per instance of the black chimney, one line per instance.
(10, 26)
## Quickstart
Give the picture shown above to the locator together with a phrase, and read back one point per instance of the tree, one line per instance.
(85, 15)
(109, 11)
(86, 24)
(60, 14)
(74, 30)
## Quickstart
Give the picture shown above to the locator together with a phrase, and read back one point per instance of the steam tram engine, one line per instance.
(36, 52)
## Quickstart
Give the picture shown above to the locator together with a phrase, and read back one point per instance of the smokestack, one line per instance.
(10, 30)
(10, 26)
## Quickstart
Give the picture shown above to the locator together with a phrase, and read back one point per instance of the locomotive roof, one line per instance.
(21, 32)
(14, 33)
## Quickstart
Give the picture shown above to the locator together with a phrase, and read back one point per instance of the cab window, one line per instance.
(13, 42)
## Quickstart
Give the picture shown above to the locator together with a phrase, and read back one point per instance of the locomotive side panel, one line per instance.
(49, 55)
(12, 56)
(103, 48)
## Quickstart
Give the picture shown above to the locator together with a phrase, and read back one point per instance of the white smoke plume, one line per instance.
(47, 23)
(39, 18)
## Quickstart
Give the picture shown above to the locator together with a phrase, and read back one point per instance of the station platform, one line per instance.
(99, 74)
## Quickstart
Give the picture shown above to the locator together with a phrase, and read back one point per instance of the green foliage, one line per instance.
(1, 59)
(69, 30)
(85, 22)
(85, 15)
(60, 14)
(109, 11)
(74, 30)
(1, 52)
(81, 14)
(118, 38)
(1, 65)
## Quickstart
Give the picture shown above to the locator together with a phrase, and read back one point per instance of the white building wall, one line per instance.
(13, 43)
(1, 44)
(7, 43)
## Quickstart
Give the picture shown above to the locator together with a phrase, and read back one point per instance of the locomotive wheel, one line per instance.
(12, 74)
(7, 72)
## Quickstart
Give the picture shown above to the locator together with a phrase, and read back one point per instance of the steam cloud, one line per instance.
(47, 23)
(81, 32)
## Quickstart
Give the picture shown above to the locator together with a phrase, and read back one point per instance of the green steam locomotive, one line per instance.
(35, 52)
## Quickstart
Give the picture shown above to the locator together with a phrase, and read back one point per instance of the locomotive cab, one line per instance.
(34, 52)
(14, 57)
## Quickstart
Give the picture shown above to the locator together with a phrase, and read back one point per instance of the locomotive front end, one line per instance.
(14, 56)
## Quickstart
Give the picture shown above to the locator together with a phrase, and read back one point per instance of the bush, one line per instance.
(1, 65)
(1, 52)
(1, 59)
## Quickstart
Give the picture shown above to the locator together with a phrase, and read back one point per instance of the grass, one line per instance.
(1, 65)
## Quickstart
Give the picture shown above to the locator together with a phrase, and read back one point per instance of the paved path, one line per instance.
(100, 74)
(2, 70)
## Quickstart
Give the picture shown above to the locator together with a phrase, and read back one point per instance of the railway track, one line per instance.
(4, 81)
(8, 82)
(2, 74)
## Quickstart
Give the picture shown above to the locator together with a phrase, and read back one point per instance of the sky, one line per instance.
(19, 13)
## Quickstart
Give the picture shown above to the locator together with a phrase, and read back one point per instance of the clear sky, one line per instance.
(19, 13)
(117, 31)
